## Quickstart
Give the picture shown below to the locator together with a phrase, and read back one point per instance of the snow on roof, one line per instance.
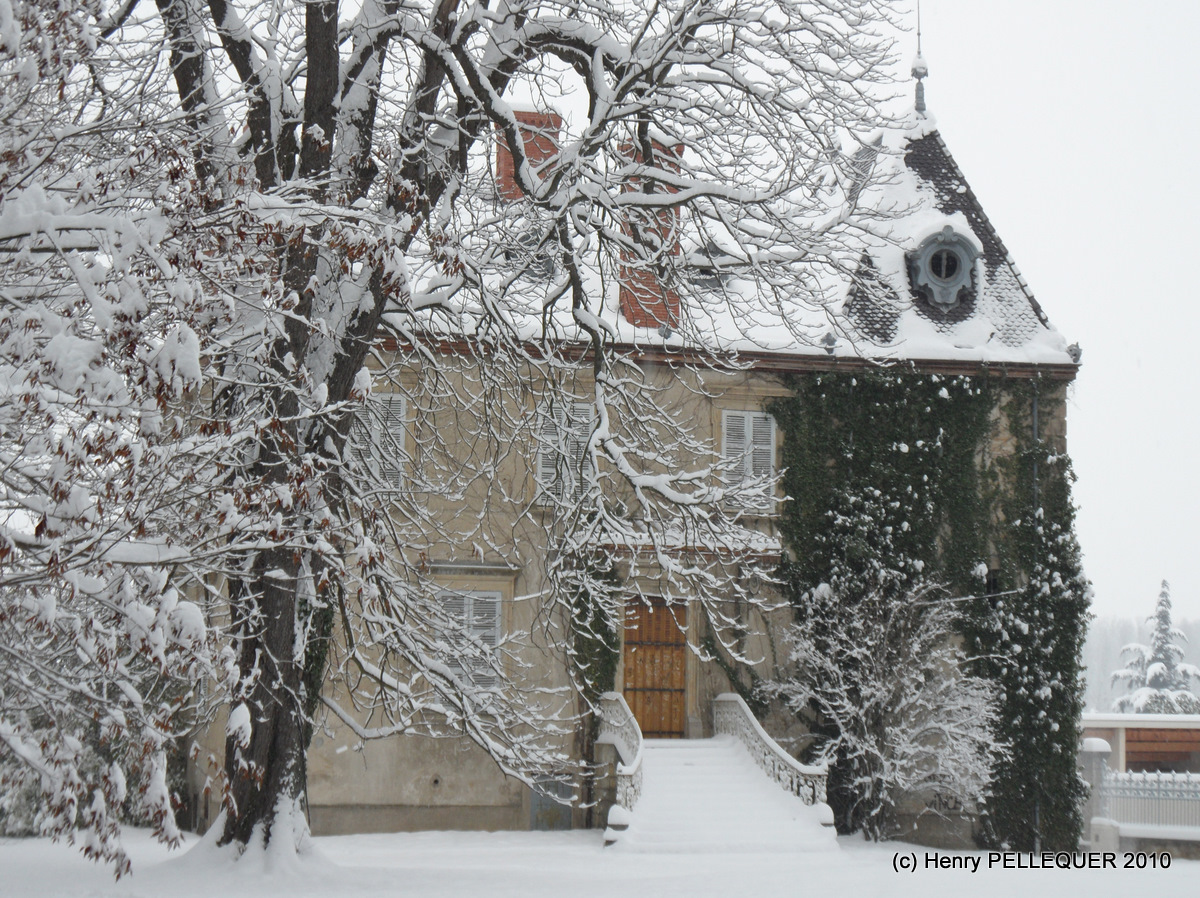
(912, 189)
(861, 304)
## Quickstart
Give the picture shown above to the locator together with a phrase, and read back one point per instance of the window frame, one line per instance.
(745, 454)
(561, 449)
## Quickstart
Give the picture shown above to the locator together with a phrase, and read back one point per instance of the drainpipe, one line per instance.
(1036, 440)
(1037, 802)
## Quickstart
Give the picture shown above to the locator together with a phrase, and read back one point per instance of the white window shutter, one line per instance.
(561, 467)
(390, 444)
(359, 442)
(485, 626)
(456, 606)
(748, 445)
(762, 446)
(734, 448)
(578, 434)
(478, 613)
(549, 452)
(485, 618)
(377, 438)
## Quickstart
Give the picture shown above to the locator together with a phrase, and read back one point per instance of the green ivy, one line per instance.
(906, 441)
(596, 647)
(595, 650)
(1030, 638)
(911, 453)
(751, 693)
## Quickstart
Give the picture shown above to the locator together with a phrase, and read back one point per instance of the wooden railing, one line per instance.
(732, 716)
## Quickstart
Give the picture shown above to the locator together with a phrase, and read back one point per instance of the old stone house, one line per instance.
(936, 290)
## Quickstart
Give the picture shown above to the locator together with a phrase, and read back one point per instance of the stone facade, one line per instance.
(416, 782)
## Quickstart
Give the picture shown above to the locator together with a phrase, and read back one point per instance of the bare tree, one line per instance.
(877, 671)
(880, 682)
(231, 223)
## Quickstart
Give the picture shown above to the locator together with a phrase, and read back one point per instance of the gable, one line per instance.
(889, 302)
(929, 158)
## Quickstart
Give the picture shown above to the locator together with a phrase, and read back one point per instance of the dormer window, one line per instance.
(709, 267)
(531, 253)
(944, 264)
(942, 267)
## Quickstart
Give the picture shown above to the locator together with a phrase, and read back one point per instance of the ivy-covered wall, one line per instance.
(960, 487)
(1029, 638)
(913, 439)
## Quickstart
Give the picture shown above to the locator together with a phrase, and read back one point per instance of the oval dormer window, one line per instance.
(941, 267)
(944, 264)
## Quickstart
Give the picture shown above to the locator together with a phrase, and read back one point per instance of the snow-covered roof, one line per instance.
(911, 190)
(1143, 721)
(858, 291)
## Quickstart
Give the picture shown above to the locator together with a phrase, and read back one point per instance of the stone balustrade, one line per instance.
(619, 729)
(733, 717)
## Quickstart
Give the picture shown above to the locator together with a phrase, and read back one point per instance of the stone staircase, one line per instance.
(707, 795)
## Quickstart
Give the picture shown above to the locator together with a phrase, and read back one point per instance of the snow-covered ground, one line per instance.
(735, 836)
(542, 865)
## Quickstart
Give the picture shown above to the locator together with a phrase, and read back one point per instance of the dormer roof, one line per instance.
(995, 314)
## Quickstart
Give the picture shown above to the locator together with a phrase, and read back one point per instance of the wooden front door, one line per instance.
(655, 660)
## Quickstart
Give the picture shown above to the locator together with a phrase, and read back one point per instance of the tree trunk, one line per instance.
(270, 769)
(265, 774)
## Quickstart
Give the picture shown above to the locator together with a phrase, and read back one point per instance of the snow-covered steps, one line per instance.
(706, 795)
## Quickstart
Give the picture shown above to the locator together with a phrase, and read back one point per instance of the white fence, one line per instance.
(1151, 799)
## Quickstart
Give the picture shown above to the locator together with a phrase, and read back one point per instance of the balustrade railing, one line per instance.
(1151, 799)
(619, 728)
(733, 717)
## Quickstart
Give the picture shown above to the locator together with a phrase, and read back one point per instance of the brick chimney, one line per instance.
(644, 301)
(540, 132)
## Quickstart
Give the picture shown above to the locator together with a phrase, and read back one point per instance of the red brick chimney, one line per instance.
(540, 131)
(645, 302)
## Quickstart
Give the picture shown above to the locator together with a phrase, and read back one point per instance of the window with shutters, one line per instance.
(478, 613)
(377, 438)
(748, 445)
(563, 470)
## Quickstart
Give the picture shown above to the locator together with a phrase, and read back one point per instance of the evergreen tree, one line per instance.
(1158, 680)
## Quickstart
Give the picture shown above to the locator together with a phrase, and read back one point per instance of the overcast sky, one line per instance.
(1075, 124)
